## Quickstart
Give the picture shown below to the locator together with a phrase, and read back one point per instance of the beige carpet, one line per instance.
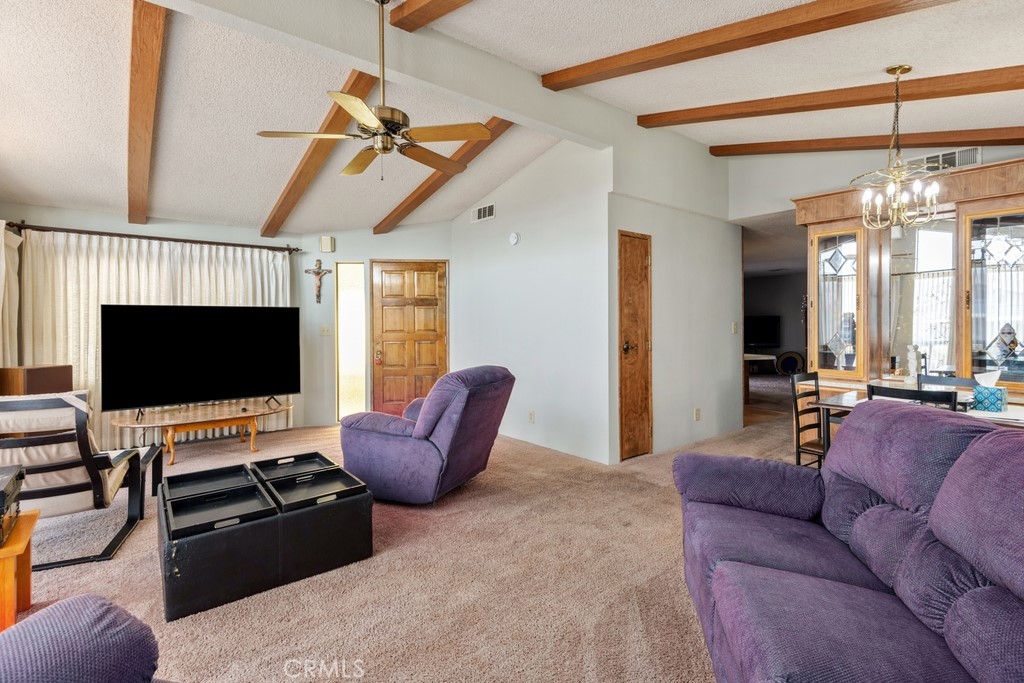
(545, 567)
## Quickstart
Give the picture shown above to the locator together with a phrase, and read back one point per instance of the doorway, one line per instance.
(636, 425)
(410, 331)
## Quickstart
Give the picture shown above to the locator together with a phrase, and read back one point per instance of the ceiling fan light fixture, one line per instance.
(899, 194)
(388, 127)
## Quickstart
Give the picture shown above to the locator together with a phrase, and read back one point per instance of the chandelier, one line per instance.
(898, 195)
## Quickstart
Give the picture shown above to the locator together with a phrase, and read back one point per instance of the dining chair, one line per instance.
(940, 399)
(807, 419)
(940, 381)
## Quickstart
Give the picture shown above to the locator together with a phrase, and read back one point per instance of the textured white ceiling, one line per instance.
(544, 36)
(64, 103)
(64, 82)
(852, 56)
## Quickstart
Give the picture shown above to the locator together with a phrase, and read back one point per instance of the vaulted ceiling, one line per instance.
(196, 92)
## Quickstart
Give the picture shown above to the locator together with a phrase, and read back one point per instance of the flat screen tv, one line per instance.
(762, 331)
(168, 355)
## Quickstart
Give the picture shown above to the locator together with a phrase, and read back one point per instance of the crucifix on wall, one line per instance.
(318, 273)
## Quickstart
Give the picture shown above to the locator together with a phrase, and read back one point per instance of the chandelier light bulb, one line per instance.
(867, 197)
(890, 189)
(917, 187)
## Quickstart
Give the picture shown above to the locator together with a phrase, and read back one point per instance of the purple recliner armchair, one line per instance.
(441, 442)
(901, 560)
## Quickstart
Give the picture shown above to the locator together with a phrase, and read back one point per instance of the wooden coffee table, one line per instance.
(195, 418)
(16, 569)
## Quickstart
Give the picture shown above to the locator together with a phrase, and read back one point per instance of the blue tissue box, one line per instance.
(991, 399)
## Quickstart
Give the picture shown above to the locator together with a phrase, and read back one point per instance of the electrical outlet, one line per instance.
(325, 330)
(696, 414)
(735, 327)
(531, 417)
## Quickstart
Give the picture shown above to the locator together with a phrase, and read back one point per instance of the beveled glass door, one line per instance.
(994, 298)
(837, 338)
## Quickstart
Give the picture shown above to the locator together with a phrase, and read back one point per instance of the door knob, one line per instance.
(627, 347)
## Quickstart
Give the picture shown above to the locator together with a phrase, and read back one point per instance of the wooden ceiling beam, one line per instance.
(465, 154)
(358, 84)
(980, 137)
(794, 22)
(934, 87)
(412, 15)
(148, 23)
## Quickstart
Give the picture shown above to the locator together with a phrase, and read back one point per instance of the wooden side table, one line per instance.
(16, 569)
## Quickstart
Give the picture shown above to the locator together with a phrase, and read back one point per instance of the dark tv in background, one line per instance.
(168, 355)
(762, 331)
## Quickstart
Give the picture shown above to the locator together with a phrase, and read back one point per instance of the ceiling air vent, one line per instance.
(953, 159)
(483, 213)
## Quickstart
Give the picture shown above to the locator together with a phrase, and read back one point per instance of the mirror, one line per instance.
(922, 299)
(997, 295)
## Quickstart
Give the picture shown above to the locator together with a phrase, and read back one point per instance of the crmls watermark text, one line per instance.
(323, 669)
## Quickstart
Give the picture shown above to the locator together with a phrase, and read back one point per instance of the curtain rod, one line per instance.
(43, 228)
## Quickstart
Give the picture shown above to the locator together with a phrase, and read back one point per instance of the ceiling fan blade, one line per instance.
(363, 115)
(457, 131)
(360, 162)
(292, 134)
(432, 159)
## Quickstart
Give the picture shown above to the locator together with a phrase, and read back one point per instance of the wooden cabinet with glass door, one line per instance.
(837, 288)
(991, 320)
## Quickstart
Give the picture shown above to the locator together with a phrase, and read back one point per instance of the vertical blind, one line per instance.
(66, 277)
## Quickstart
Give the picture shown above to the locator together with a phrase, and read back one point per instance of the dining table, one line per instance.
(1013, 416)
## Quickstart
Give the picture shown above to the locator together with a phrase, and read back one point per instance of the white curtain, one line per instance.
(9, 294)
(66, 277)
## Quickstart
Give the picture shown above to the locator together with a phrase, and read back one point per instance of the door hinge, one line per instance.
(648, 344)
(858, 302)
(648, 261)
(967, 301)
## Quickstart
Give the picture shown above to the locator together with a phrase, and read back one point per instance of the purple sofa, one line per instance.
(441, 442)
(901, 561)
(84, 638)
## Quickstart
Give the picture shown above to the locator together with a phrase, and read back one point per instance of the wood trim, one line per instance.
(968, 211)
(465, 154)
(935, 87)
(865, 245)
(148, 23)
(975, 182)
(358, 84)
(802, 20)
(413, 15)
(981, 137)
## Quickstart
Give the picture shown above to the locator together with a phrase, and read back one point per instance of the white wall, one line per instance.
(540, 307)
(696, 277)
(429, 241)
(315, 405)
(767, 183)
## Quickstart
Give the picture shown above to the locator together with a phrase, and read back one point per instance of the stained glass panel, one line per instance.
(837, 302)
(997, 295)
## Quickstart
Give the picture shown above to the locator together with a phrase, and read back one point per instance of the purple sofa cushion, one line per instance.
(754, 484)
(782, 626)
(845, 502)
(933, 578)
(379, 422)
(882, 536)
(979, 511)
(720, 533)
(450, 392)
(985, 630)
(902, 452)
(84, 638)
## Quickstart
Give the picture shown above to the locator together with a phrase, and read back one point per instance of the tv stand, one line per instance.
(239, 414)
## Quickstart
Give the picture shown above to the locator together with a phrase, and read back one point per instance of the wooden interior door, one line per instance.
(636, 426)
(410, 331)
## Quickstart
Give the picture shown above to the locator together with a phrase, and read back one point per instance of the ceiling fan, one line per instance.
(389, 129)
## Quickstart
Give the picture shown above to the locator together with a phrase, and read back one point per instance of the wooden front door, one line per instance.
(410, 331)
(636, 427)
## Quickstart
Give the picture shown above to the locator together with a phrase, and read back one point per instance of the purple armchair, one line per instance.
(441, 442)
